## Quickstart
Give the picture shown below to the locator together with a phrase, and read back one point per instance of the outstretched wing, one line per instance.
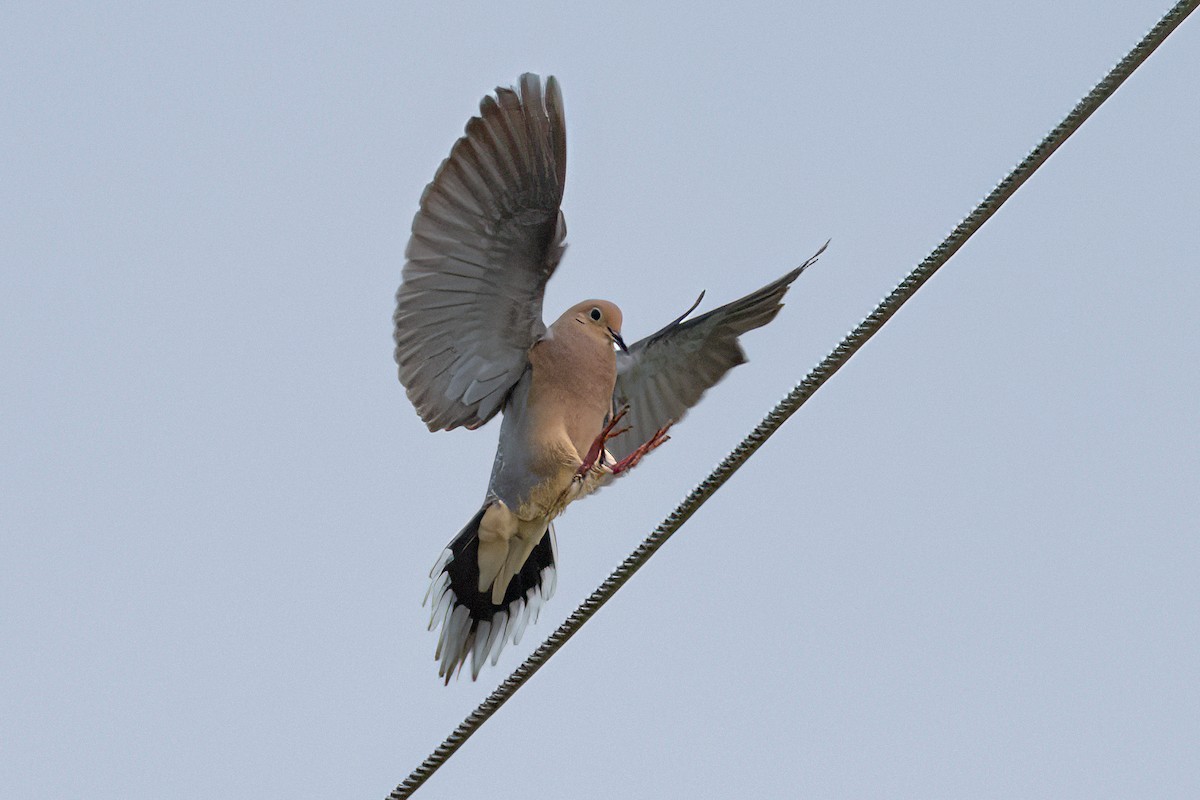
(486, 239)
(668, 372)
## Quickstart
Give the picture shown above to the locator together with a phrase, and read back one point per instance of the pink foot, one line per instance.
(630, 461)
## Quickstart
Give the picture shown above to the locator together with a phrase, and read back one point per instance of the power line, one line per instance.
(800, 394)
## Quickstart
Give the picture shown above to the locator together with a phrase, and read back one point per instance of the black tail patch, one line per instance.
(471, 623)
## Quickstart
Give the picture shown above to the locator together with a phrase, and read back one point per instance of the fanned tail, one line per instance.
(471, 623)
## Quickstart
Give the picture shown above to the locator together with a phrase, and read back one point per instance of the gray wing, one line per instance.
(668, 372)
(486, 239)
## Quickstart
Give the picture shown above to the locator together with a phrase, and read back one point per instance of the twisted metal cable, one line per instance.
(800, 394)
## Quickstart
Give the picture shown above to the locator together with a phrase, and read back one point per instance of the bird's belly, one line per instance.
(583, 427)
(551, 495)
(559, 483)
(536, 475)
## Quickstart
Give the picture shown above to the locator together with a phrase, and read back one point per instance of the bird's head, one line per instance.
(600, 318)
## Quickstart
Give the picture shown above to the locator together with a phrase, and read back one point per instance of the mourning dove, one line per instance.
(470, 342)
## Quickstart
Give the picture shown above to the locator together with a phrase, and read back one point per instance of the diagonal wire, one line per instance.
(797, 396)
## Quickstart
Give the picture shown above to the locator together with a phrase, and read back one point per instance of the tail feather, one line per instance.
(472, 625)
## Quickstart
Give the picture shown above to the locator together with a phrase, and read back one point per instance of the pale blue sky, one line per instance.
(968, 568)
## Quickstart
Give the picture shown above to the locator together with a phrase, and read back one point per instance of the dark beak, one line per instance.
(616, 337)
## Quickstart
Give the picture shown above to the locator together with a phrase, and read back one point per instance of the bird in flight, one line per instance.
(579, 407)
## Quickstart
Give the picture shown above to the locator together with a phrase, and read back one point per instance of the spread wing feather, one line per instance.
(487, 237)
(668, 372)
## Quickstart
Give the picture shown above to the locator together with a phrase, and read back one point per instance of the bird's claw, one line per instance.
(654, 442)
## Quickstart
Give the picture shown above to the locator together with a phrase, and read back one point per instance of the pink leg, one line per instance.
(593, 453)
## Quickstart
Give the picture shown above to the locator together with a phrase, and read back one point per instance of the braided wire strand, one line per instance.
(800, 394)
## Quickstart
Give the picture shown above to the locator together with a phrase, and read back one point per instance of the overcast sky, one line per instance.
(967, 568)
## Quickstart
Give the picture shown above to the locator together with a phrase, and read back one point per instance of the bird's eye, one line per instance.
(595, 314)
